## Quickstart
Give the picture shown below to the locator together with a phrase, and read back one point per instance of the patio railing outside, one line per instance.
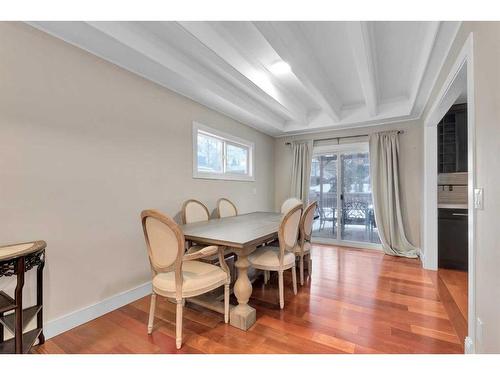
(357, 221)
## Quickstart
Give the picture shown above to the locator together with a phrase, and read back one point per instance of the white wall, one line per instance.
(410, 168)
(84, 147)
(486, 37)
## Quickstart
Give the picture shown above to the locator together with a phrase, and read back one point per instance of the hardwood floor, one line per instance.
(453, 288)
(357, 302)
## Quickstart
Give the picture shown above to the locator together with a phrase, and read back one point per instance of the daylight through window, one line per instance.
(221, 156)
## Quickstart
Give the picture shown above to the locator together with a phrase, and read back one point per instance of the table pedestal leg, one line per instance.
(242, 316)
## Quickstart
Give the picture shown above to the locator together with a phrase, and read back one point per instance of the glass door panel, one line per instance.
(323, 189)
(357, 223)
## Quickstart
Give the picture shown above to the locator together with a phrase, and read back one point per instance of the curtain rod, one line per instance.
(347, 136)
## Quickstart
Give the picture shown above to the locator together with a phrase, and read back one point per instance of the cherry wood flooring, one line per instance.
(453, 289)
(357, 301)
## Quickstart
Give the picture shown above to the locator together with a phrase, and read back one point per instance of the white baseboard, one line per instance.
(76, 318)
(469, 346)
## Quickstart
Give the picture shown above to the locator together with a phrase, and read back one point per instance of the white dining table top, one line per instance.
(238, 232)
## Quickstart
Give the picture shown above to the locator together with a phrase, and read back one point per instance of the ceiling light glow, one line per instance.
(280, 67)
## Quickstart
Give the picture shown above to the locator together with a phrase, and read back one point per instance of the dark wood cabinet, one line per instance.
(452, 140)
(453, 238)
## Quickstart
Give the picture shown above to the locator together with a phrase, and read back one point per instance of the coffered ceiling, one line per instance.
(341, 74)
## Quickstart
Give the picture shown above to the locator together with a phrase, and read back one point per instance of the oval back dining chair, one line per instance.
(194, 211)
(289, 204)
(226, 208)
(303, 247)
(177, 275)
(282, 258)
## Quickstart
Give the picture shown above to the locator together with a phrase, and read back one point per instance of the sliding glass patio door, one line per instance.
(340, 183)
(323, 189)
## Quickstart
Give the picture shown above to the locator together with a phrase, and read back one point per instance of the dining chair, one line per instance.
(194, 211)
(303, 246)
(177, 275)
(289, 204)
(226, 208)
(282, 258)
(285, 207)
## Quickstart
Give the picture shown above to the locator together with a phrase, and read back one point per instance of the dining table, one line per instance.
(241, 234)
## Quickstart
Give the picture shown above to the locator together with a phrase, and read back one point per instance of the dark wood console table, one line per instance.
(16, 260)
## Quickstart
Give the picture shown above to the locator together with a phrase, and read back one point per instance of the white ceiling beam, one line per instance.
(442, 45)
(253, 76)
(423, 62)
(361, 44)
(159, 48)
(171, 56)
(289, 43)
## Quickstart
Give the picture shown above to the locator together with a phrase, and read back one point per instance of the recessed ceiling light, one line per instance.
(280, 67)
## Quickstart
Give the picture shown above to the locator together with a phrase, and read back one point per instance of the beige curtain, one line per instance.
(384, 172)
(301, 169)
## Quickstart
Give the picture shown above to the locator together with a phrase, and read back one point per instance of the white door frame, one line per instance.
(464, 65)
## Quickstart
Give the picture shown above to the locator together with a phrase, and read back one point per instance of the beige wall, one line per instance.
(84, 147)
(410, 168)
(487, 120)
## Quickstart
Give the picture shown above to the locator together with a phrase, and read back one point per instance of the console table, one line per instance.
(15, 260)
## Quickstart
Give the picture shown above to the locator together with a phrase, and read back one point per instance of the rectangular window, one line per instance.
(221, 156)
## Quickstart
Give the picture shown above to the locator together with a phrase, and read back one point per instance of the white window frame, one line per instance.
(226, 139)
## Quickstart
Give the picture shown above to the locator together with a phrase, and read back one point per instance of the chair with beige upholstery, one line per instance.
(226, 208)
(303, 247)
(282, 258)
(289, 204)
(285, 207)
(194, 211)
(177, 275)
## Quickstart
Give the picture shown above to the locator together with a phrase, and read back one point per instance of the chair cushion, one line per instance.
(196, 276)
(268, 257)
(307, 248)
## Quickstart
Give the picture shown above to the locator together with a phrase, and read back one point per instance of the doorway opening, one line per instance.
(449, 181)
(453, 215)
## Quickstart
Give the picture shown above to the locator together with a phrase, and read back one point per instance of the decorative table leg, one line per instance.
(243, 316)
(19, 309)
(39, 299)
